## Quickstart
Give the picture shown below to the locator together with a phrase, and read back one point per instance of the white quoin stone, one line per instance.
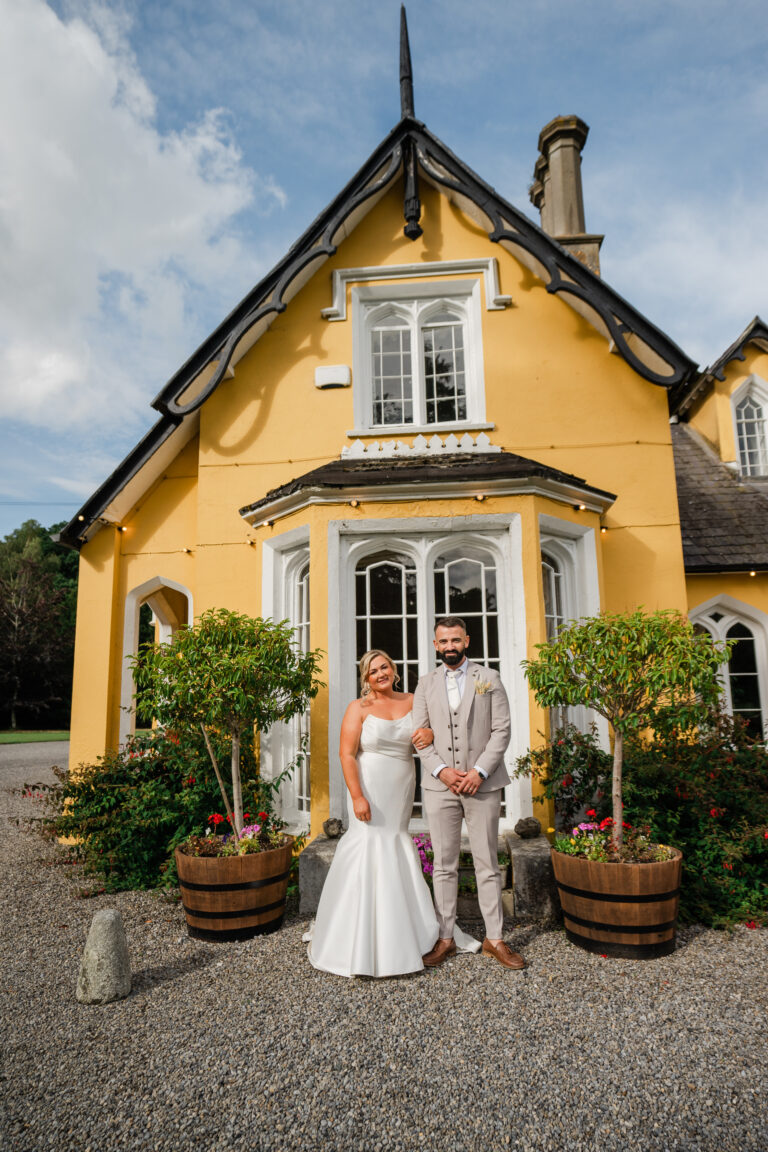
(105, 971)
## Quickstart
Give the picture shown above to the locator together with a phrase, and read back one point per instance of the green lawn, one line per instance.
(19, 737)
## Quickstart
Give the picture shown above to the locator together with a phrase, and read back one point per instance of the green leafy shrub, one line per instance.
(704, 792)
(638, 669)
(129, 810)
(228, 675)
(573, 772)
(707, 794)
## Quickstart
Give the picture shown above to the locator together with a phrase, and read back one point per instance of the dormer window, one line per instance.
(418, 357)
(750, 406)
(750, 425)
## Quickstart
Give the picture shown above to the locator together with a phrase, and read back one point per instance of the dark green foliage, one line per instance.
(573, 771)
(708, 796)
(38, 602)
(705, 793)
(130, 809)
(637, 669)
(229, 674)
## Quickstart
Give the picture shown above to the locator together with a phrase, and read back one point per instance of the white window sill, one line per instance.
(420, 429)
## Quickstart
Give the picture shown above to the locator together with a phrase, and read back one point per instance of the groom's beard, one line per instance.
(452, 659)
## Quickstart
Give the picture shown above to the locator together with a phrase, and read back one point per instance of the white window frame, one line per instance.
(414, 304)
(755, 388)
(732, 612)
(150, 592)
(574, 546)
(283, 559)
(423, 539)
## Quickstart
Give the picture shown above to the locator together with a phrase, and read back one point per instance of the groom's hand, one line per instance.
(452, 778)
(471, 782)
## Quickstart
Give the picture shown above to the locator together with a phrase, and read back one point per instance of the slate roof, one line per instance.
(723, 516)
(452, 467)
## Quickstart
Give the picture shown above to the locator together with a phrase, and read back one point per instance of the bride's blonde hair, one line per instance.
(365, 669)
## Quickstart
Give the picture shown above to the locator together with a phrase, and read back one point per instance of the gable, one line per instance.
(408, 164)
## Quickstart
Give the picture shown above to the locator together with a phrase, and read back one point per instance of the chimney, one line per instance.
(556, 189)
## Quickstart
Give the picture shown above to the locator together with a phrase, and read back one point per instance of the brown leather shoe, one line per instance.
(503, 954)
(441, 951)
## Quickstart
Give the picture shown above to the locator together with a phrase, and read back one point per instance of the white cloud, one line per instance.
(109, 229)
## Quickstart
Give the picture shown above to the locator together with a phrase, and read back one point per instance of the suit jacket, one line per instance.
(477, 736)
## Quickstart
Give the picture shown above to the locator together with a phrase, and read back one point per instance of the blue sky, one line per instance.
(161, 156)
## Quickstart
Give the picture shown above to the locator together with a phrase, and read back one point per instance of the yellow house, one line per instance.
(431, 405)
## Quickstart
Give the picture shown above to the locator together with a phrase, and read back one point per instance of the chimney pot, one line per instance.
(557, 190)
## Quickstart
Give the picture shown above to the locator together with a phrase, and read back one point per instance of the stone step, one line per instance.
(532, 896)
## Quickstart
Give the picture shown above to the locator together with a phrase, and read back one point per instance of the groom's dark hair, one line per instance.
(450, 622)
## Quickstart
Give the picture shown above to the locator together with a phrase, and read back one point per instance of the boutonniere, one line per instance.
(482, 686)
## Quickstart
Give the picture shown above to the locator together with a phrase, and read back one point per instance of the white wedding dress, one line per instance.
(375, 916)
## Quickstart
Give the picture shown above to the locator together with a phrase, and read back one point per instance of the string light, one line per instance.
(480, 497)
(354, 503)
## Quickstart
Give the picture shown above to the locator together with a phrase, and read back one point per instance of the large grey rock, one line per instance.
(533, 881)
(105, 972)
(314, 863)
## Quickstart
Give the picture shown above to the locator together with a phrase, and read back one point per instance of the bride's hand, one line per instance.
(362, 809)
(422, 738)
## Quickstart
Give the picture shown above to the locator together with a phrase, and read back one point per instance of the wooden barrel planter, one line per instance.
(234, 897)
(625, 910)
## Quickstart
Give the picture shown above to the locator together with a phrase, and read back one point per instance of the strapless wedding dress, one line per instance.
(375, 916)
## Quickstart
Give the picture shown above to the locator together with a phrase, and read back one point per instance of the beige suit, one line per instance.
(476, 735)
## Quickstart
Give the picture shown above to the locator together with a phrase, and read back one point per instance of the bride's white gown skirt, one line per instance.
(375, 916)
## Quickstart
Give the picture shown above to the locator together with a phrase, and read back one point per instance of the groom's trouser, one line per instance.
(444, 812)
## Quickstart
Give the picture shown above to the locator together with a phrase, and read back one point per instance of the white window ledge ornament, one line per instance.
(421, 446)
(494, 300)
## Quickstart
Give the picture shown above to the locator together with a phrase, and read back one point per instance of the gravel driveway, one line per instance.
(245, 1046)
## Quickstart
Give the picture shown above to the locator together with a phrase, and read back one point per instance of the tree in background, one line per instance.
(38, 602)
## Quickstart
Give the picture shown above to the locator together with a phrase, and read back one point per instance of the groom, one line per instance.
(463, 775)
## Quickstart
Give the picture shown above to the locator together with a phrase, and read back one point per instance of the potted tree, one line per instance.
(641, 671)
(230, 676)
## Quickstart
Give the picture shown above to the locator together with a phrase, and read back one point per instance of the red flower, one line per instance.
(591, 812)
(750, 924)
(567, 781)
(605, 823)
(263, 816)
(727, 865)
(216, 818)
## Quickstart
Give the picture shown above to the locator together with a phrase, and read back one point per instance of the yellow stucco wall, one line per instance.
(553, 392)
(712, 413)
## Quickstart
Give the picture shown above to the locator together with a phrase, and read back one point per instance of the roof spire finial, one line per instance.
(406, 71)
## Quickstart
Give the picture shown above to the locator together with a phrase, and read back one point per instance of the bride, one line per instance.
(375, 916)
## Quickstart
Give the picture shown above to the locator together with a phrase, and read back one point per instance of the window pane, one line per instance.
(386, 584)
(385, 607)
(444, 381)
(388, 635)
(465, 591)
(745, 692)
(742, 657)
(392, 383)
(466, 587)
(493, 638)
